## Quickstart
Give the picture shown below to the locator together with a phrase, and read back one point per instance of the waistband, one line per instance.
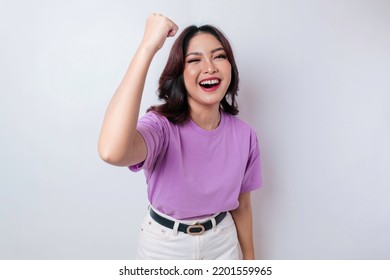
(194, 229)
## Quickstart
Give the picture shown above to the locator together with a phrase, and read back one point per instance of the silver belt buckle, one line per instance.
(196, 226)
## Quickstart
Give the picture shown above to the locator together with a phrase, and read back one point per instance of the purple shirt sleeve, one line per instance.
(151, 127)
(253, 177)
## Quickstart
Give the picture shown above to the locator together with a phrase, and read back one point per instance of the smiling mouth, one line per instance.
(210, 84)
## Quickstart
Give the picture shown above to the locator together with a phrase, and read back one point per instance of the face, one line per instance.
(207, 72)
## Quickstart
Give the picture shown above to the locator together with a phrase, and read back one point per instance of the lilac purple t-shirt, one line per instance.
(192, 172)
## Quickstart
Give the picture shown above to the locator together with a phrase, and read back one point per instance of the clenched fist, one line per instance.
(157, 29)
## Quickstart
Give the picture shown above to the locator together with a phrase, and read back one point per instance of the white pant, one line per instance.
(157, 242)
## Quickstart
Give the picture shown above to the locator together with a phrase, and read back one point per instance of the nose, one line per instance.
(209, 67)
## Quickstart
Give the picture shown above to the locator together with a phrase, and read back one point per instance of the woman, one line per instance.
(200, 161)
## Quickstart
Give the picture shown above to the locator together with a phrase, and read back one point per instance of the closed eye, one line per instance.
(193, 60)
(220, 56)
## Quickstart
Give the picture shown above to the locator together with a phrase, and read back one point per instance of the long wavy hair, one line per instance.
(172, 90)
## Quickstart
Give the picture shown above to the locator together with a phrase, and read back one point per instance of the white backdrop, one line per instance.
(315, 84)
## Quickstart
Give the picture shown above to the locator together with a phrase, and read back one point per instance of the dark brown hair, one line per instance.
(172, 89)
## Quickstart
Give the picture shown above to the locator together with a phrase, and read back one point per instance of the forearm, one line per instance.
(243, 219)
(119, 125)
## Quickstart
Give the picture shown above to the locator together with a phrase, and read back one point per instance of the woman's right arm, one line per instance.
(119, 142)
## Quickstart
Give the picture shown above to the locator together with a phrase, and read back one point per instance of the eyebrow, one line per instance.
(212, 51)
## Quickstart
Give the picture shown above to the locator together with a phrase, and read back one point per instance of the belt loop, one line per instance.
(214, 223)
(175, 228)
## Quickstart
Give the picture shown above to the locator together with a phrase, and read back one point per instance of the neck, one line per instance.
(207, 120)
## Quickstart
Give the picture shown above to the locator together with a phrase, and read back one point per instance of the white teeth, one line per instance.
(210, 82)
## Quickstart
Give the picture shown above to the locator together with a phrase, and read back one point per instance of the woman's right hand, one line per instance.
(157, 29)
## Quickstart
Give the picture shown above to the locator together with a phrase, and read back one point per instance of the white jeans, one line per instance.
(157, 242)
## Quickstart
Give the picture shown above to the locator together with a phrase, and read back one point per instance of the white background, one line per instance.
(315, 84)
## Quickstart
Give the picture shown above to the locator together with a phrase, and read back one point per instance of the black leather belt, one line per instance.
(195, 229)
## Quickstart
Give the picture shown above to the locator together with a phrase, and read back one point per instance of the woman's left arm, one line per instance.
(243, 219)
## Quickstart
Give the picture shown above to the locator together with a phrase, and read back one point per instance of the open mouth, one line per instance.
(210, 84)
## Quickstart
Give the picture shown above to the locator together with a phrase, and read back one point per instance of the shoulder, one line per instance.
(238, 124)
(152, 117)
(153, 123)
(242, 130)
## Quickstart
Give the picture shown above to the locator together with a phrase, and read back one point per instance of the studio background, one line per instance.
(315, 84)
